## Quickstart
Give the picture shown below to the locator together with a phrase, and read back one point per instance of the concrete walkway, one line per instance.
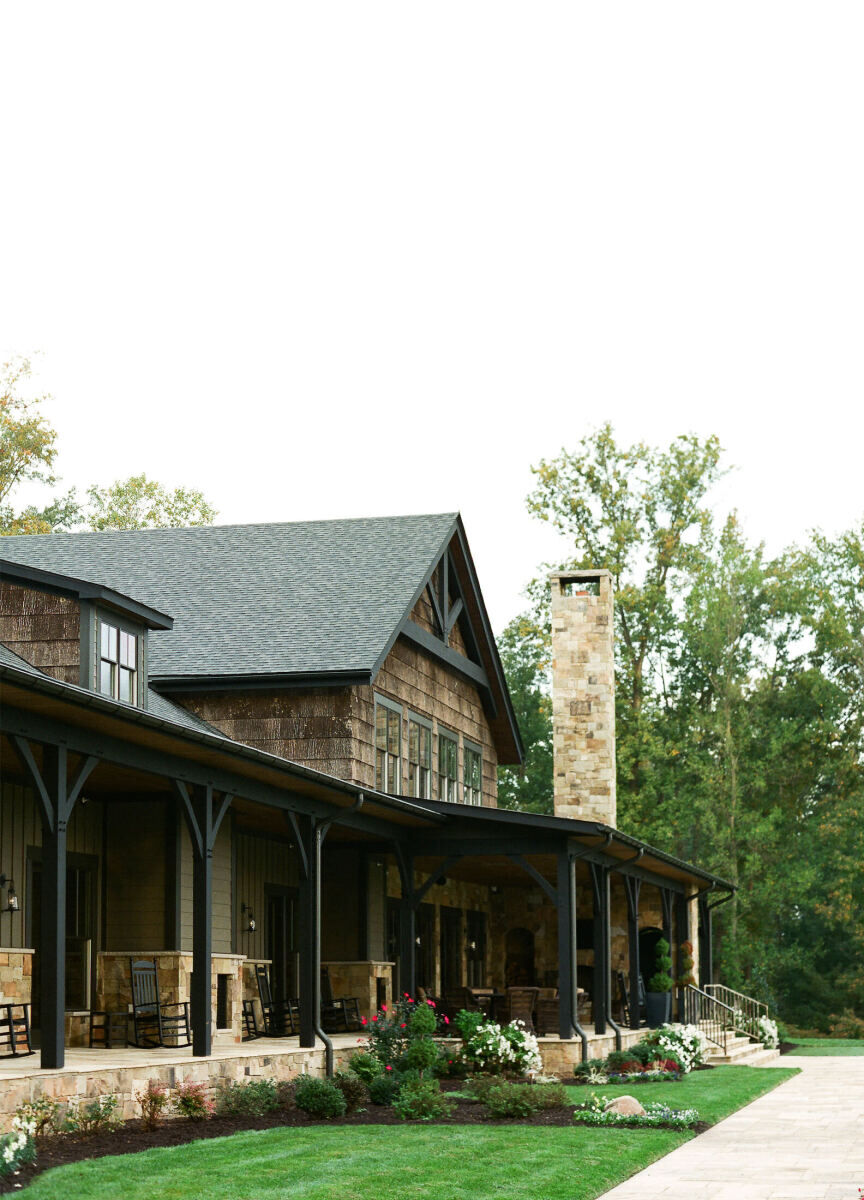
(803, 1141)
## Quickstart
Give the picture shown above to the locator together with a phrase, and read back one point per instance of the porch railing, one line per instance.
(745, 1010)
(712, 1016)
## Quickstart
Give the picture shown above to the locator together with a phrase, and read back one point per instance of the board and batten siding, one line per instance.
(222, 941)
(21, 830)
(137, 845)
(260, 862)
(42, 628)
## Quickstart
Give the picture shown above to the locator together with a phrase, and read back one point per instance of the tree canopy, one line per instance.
(740, 706)
(28, 452)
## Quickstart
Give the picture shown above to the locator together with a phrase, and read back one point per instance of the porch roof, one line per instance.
(169, 742)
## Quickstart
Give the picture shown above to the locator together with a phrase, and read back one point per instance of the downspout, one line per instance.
(323, 826)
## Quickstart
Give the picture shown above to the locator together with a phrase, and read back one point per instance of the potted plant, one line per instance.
(658, 996)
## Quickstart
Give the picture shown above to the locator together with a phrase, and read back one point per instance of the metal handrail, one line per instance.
(710, 1015)
(746, 1011)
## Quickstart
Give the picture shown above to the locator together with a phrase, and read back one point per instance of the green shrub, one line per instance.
(478, 1087)
(352, 1088)
(421, 1100)
(42, 1113)
(422, 1023)
(365, 1066)
(247, 1099)
(101, 1115)
(591, 1066)
(549, 1095)
(384, 1089)
(319, 1098)
(622, 1062)
(450, 1064)
(513, 1100)
(849, 1025)
(467, 1023)
(421, 1053)
(191, 1101)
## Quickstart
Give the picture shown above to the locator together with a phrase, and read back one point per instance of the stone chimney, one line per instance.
(583, 695)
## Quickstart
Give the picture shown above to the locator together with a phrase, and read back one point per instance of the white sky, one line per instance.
(324, 259)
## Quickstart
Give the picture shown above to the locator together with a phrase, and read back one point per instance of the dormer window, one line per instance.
(117, 674)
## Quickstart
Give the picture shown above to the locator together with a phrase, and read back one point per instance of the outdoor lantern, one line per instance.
(250, 920)
(11, 896)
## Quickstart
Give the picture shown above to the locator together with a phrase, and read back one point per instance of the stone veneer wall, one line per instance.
(583, 696)
(360, 979)
(16, 975)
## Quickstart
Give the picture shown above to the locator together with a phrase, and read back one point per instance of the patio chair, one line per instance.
(548, 1009)
(522, 1003)
(339, 1014)
(155, 1022)
(281, 1017)
(15, 1029)
(626, 997)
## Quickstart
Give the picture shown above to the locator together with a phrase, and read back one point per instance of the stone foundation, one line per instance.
(16, 974)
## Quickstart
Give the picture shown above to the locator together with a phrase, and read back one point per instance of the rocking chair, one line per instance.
(339, 1014)
(155, 1023)
(281, 1017)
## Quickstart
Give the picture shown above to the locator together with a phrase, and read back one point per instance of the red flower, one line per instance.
(375, 1018)
(402, 1026)
(383, 1007)
(446, 1020)
(431, 1003)
(406, 995)
(388, 1068)
(363, 1021)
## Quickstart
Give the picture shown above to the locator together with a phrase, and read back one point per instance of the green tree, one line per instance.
(524, 649)
(142, 503)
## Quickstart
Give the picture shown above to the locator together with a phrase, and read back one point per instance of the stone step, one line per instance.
(753, 1055)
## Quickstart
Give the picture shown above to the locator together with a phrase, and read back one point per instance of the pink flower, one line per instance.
(446, 1020)
(383, 1007)
(402, 1026)
(405, 994)
(363, 1021)
(375, 1018)
(431, 1003)
(388, 1068)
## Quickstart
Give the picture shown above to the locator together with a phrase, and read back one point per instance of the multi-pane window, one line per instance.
(419, 759)
(388, 747)
(118, 663)
(472, 770)
(448, 767)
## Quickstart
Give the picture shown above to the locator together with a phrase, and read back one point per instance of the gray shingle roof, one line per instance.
(305, 597)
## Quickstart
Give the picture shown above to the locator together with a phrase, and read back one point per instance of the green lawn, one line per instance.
(414, 1162)
(818, 1046)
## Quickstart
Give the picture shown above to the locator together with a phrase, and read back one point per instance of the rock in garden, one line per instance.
(627, 1106)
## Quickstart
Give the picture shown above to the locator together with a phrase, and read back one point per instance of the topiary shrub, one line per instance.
(467, 1023)
(384, 1089)
(319, 1098)
(421, 1100)
(352, 1088)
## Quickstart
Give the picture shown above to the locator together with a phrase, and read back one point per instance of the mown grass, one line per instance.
(813, 1047)
(414, 1162)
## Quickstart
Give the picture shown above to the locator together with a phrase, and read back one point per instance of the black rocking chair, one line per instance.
(15, 1029)
(627, 998)
(155, 1023)
(339, 1014)
(281, 1017)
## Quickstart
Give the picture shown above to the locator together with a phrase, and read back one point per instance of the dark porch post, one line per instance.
(203, 821)
(682, 934)
(311, 839)
(567, 988)
(407, 925)
(52, 994)
(602, 946)
(632, 886)
(56, 798)
(706, 940)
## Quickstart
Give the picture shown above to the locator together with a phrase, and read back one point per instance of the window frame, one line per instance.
(101, 617)
(469, 747)
(447, 735)
(424, 724)
(391, 706)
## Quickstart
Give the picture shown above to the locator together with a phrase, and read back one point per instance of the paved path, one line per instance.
(803, 1141)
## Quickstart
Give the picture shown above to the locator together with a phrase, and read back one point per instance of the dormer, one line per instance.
(78, 631)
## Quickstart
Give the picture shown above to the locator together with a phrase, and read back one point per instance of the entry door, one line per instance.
(451, 948)
(282, 942)
(80, 934)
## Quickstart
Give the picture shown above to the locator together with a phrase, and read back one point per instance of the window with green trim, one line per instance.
(472, 771)
(388, 746)
(117, 674)
(448, 767)
(419, 758)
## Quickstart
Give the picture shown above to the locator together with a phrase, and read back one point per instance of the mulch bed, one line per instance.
(131, 1137)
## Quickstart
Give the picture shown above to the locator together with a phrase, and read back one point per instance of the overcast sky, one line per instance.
(326, 259)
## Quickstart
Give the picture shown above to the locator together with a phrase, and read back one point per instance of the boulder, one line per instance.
(627, 1106)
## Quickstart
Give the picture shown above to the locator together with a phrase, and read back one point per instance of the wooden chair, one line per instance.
(548, 1009)
(626, 998)
(155, 1023)
(251, 1028)
(522, 1003)
(339, 1014)
(281, 1017)
(15, 1029)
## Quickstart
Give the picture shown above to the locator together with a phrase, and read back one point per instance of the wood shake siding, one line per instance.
(42, 628)
(313, 727)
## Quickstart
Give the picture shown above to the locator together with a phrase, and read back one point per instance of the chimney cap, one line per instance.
(578, 576)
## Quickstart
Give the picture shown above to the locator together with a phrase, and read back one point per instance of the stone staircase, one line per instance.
(740, 1052)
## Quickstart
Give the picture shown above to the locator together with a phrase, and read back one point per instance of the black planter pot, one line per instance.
(657, 1008)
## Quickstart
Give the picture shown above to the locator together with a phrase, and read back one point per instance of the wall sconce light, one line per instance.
(249, 922)
(472, 945)
(417, 941)
(11, 895)
(495, 889)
